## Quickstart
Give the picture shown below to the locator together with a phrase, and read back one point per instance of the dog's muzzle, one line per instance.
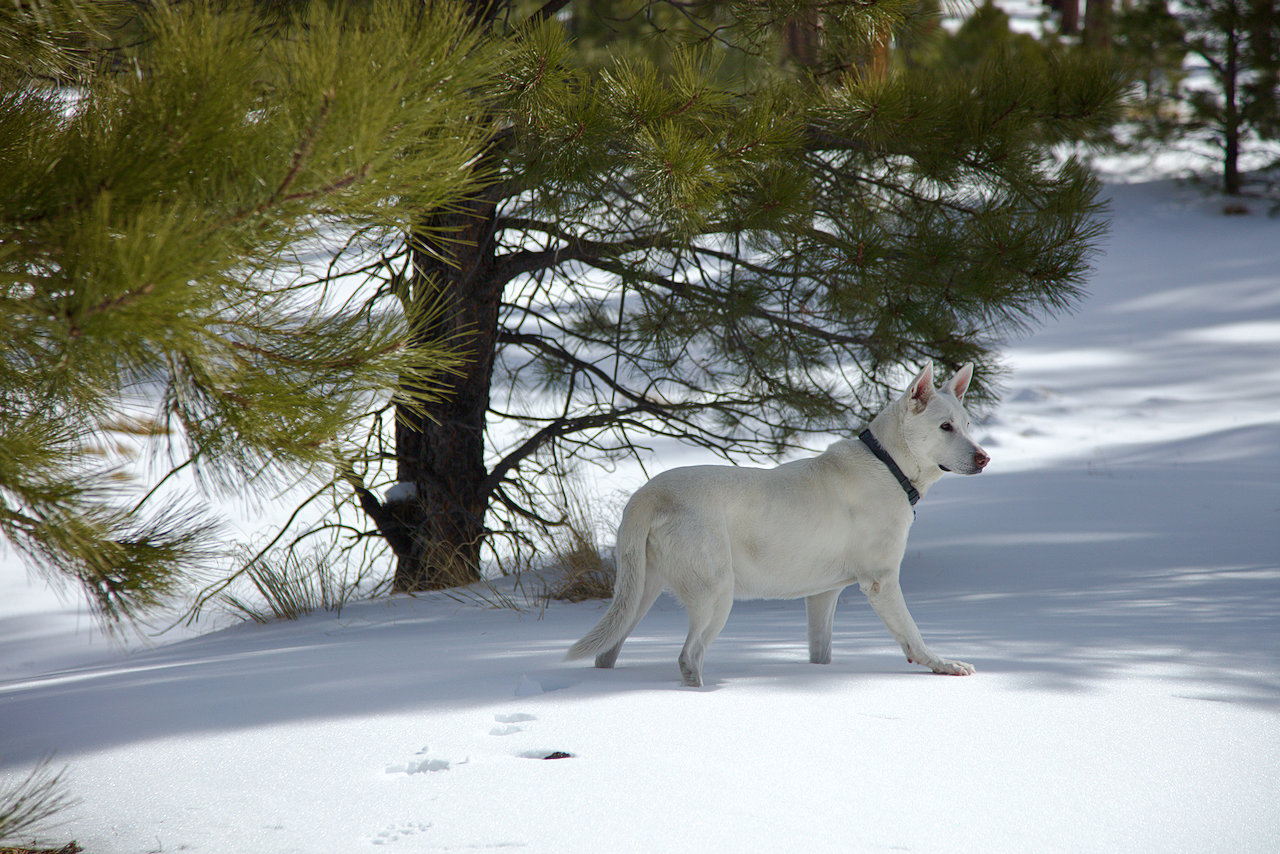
(980, 460)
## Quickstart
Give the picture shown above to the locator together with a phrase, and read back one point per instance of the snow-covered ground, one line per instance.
(1114, 576)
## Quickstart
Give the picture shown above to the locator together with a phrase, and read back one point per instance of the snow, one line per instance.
(1114, 576)
(405, 490)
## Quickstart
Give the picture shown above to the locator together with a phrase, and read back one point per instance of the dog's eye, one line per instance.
(947, 427)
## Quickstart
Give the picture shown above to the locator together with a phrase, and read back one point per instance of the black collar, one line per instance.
(876, 448)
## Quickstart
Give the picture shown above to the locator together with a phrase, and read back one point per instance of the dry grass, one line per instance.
(290, 586)
(585, 572)
(32, 804)
(585, 575)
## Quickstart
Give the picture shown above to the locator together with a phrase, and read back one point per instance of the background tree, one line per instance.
(1153, 41)
(162, 194)
(1240, 42)
(1230, 88)
(1097, 24)
(983, 36)
(689, 239)
(1068, 15)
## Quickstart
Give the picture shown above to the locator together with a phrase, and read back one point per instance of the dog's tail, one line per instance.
(628, 585)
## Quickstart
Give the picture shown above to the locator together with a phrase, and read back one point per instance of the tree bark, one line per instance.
(1231, 119)
(802, 38)
(1097, 24)
(1069, 12)
(440, 448)
(436, 529)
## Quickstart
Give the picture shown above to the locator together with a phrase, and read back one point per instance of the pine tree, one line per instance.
(1097, 24)
(1153, 41)
(692, 239)
(164, 177)
(1240, 42)
(1230, 88)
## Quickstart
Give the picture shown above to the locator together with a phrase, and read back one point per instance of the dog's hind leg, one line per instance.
(885, 596)
(708, 613)
(652, 589)
(821, 608)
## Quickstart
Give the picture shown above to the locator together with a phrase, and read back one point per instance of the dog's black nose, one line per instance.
(980, 459)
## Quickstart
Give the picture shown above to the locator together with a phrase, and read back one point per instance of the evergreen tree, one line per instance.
(984, 34)
(164, 177)
(1097, 24)
(1068, 15)
(1237, 101)
(690, 238)
(1153, 41)
(1240, 42)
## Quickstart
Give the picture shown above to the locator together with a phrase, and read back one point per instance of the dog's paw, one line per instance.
(951, 668)
(945, 666)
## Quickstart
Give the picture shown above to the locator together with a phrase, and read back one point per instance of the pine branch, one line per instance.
(558, 428)
(711, 297)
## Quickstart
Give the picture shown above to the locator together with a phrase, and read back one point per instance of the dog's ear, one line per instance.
(959, 384)
(920, 392)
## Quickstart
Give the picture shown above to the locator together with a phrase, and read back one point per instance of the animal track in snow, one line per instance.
(397, 832)
(509, 728)
(514, 718)
(509, 723)
(420, 764)
(541, 683)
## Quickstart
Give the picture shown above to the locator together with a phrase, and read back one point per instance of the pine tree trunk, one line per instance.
(436, 531)
(1069, 11)
(1231, 119)
(802, 38)
(1097, 24)
(441, 450)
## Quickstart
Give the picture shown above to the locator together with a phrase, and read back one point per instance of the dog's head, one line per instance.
(936, 425)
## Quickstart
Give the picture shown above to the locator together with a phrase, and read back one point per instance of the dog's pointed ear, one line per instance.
(920, 392)
(959, 384)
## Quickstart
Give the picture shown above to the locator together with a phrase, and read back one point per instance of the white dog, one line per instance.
(804, 529)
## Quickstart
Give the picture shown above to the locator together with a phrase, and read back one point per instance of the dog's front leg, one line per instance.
(885, 596)
(821, 608)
